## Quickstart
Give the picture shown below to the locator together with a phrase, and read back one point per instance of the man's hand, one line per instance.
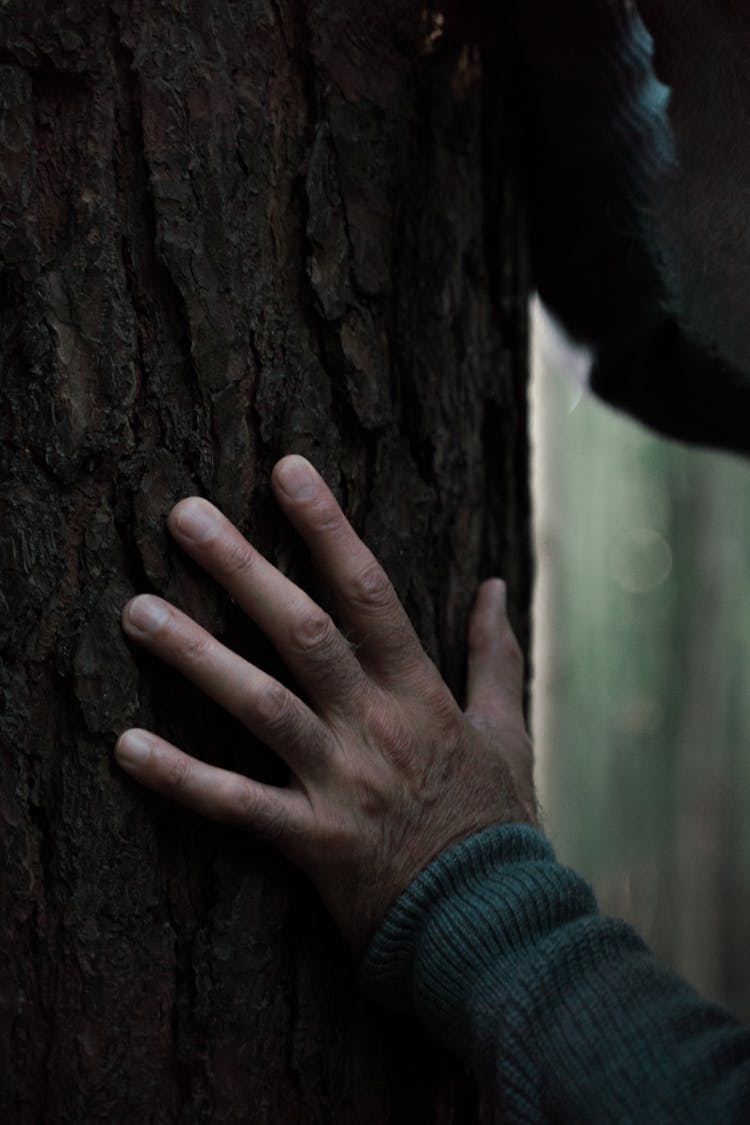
(387, 770)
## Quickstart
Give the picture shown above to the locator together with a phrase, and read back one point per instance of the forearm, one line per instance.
(503, 955)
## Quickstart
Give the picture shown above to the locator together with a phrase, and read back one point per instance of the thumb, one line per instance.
(494, 681)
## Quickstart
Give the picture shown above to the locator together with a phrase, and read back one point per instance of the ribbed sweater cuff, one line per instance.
(502, 954)
(489, 898)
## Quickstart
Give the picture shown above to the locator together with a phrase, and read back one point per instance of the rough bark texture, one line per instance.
(227, 231)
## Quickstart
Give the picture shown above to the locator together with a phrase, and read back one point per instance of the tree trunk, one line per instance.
(228, 231)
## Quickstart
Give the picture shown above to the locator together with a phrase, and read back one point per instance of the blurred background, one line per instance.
(641, 684)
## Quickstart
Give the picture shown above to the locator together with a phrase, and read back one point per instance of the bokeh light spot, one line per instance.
(640, 560)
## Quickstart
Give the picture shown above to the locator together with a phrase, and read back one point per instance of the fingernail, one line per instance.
(146, 613)
(297, 477)
(499, 592)
(133, 748)
(196, 520)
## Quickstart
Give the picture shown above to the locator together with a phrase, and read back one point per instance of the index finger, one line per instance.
(366, 601)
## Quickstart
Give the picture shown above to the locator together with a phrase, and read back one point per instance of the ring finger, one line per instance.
(261, 703)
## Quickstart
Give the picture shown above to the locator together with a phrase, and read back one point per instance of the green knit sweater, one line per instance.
(502, 954)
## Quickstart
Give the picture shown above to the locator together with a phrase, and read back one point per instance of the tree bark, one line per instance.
(228, 231)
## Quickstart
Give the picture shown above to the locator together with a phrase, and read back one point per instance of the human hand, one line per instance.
(387, 771)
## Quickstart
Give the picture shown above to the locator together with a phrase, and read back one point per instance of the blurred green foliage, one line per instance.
(642, 676)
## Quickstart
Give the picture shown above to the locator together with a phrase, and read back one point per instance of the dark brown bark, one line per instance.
(227, 231)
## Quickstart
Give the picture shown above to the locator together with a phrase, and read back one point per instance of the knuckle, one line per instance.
(196, 646)
(321, 513)
(271, 824)
(178, 773)
(384, 727)
(237, 556)
(371, 796)
(312, 630)
(439, 704)
(482, 721)
(326, 517)
(273, 707)
(371, 587)
(247, 812)
(245, 803)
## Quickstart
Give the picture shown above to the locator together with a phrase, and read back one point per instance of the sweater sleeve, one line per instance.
(596, 147)
(502, 954)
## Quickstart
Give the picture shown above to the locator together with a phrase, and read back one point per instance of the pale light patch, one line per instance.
(74, 373)
(553, 350)
(640, 560)
(433, 24)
